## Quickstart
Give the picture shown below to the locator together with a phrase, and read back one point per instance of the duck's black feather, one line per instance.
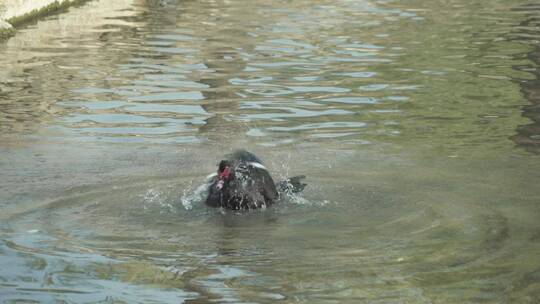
(250, 185)
(244, 156)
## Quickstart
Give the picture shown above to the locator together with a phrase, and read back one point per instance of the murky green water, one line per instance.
(416, 122)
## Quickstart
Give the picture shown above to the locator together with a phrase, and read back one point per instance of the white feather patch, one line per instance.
(209, 177)
(257, 165)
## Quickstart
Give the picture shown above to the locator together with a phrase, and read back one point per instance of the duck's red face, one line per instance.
(224, 174)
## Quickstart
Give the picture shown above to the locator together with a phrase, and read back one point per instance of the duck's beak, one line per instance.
(219, 184)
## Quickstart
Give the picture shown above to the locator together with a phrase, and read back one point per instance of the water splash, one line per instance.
(189, 198)
(155, 198)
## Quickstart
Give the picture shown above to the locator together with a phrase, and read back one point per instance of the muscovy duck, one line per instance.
(242, 183)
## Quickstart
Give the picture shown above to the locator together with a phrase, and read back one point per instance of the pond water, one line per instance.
(417, 124)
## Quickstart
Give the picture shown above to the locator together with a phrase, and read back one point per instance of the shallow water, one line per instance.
(416, 123)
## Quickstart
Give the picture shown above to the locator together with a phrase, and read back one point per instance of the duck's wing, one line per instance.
(262, 182)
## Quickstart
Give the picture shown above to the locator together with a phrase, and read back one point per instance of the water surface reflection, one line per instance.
(527, 33)
(402, 115)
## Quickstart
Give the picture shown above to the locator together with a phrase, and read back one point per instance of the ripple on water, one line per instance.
(170, 96)
(373, 87)
(70, 276)
(352, 100)
(322, 125)
(288, 112)
(159, 232)
(358, 74)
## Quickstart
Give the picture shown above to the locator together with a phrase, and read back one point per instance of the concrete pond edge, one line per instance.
(9, 24)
